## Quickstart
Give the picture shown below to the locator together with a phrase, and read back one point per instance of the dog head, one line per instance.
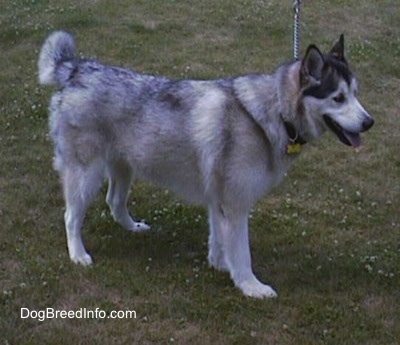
(329, 96)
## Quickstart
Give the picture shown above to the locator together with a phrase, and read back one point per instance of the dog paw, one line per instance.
(139, 227)
(126, 221)
(84, 259)
(256, 289)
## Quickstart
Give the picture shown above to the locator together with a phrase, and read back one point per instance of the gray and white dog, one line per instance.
(222, 143)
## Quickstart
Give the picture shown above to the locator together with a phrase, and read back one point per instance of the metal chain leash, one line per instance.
(296, 28)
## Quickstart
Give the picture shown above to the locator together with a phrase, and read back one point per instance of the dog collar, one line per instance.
(295, 140)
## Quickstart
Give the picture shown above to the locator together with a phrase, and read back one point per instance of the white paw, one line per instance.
(84, 259)
(254, 288)
(139, 227)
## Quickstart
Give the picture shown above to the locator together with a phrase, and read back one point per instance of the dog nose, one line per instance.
(368, 123)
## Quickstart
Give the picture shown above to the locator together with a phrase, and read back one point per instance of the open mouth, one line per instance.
(346, 137)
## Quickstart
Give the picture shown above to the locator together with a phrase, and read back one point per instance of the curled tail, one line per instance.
(56, 59)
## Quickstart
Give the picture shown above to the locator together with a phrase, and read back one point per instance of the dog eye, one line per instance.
(340, 98)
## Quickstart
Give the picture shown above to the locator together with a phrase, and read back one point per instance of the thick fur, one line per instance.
(222, 143)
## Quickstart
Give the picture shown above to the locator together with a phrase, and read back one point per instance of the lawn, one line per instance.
(328, 238)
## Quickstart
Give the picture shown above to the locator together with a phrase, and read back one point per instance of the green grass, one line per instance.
(328, 238)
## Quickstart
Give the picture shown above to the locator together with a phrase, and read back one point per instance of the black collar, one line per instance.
(293, 134)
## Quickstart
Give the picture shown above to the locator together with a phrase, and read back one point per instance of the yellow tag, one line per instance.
(293, 148)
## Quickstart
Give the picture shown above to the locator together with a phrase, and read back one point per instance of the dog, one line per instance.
(222, 143)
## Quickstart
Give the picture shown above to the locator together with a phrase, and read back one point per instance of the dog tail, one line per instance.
(56, 59)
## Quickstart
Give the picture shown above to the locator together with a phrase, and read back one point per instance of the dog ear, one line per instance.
(311, 68)
(338, 49)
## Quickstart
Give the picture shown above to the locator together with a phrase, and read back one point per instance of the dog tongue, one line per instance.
(353, 138)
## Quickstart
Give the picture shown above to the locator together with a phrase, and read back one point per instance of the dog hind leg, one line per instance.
(81, 186)
(235, 242)
(120, 179)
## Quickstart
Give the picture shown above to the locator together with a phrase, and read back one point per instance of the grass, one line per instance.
(327, 238)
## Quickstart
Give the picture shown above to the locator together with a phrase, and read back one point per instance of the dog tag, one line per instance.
(293, 148)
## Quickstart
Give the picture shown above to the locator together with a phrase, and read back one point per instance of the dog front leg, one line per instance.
(236, 248)
(216, 256)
